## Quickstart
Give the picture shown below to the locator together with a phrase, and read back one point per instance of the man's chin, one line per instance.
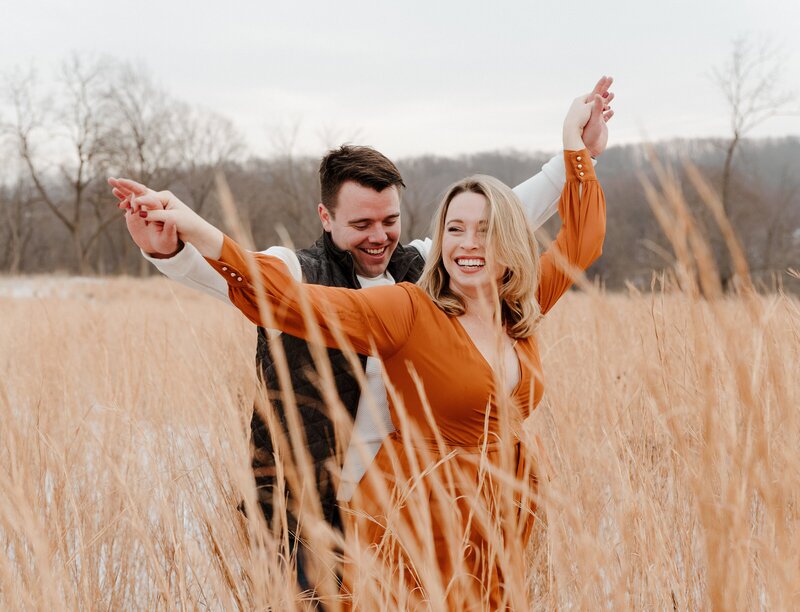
(371, 271)
(372, 266)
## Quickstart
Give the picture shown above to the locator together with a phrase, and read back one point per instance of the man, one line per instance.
(361, 219)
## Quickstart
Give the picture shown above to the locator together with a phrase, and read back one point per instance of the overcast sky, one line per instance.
(419, 76)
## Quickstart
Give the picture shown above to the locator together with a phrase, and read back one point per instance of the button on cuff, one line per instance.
(233, 276)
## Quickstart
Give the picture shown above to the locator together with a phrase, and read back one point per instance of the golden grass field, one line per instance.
(670, 472)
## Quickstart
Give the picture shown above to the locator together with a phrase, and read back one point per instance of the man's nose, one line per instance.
(378, 235)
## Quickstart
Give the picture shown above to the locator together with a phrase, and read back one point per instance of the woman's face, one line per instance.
(471, 269)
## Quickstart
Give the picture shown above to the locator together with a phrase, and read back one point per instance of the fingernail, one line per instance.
(605, 95)
(143, 213)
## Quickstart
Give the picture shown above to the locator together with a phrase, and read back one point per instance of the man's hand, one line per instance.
(158, 240)
(576, 120)
(595, 132)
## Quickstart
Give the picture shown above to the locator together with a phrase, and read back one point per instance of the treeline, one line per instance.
(763, 206)
(104, 118)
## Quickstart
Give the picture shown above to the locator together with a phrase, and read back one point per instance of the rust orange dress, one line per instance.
(445, 511)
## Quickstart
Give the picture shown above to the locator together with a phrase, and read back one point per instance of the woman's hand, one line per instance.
(595, 132)
(150, 237)
(163, 207)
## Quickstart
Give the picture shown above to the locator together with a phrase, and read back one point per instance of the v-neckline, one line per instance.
(488, 365)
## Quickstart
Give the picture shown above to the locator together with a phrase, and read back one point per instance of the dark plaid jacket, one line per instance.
(322, 264)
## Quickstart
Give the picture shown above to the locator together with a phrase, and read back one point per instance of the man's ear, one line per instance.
(325, 216)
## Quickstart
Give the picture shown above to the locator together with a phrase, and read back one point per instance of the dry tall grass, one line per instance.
(670, 423)
(670, 463)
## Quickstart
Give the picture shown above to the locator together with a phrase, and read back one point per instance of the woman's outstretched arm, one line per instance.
(374, 320)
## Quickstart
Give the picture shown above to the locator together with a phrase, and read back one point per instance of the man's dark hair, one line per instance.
(363, 165)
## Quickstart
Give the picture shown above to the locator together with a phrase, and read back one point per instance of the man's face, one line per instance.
(366, 223)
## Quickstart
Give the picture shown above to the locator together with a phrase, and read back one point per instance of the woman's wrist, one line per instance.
(212, 242)
(206, 238)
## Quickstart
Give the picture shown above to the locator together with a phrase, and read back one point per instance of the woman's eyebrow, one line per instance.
(481, 222)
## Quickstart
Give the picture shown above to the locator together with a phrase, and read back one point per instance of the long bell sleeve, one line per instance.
(374, 320)
(579, 243)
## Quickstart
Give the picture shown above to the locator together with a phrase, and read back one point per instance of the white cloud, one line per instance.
(421, 76)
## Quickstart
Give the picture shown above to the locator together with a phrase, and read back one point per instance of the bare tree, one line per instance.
(105, 117)
(751, 82)
(76, 117)
(292, 188)
(16, 203)
(426, 178)
(161, 141)
(203, 142)
(143, 116)
(143, 146)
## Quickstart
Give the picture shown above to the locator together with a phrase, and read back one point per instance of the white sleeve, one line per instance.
(540, 193)
(190, 268)
(423, 246)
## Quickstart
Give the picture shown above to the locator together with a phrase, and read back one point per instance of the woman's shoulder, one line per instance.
(397, 299)
(422, 301)
(412, 289)
(416, 294)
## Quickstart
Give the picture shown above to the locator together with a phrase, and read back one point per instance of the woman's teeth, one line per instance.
(471, 263)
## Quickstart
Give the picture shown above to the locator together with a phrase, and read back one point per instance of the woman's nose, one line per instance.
(470, 241)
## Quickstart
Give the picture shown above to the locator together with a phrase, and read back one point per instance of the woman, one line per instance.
(446, 506)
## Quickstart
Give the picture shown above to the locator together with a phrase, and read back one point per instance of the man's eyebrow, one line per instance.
(368, 220)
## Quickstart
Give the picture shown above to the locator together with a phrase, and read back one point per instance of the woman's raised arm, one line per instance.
(583, 227)
(582, 209)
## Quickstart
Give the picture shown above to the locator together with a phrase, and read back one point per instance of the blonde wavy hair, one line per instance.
(509, 241)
